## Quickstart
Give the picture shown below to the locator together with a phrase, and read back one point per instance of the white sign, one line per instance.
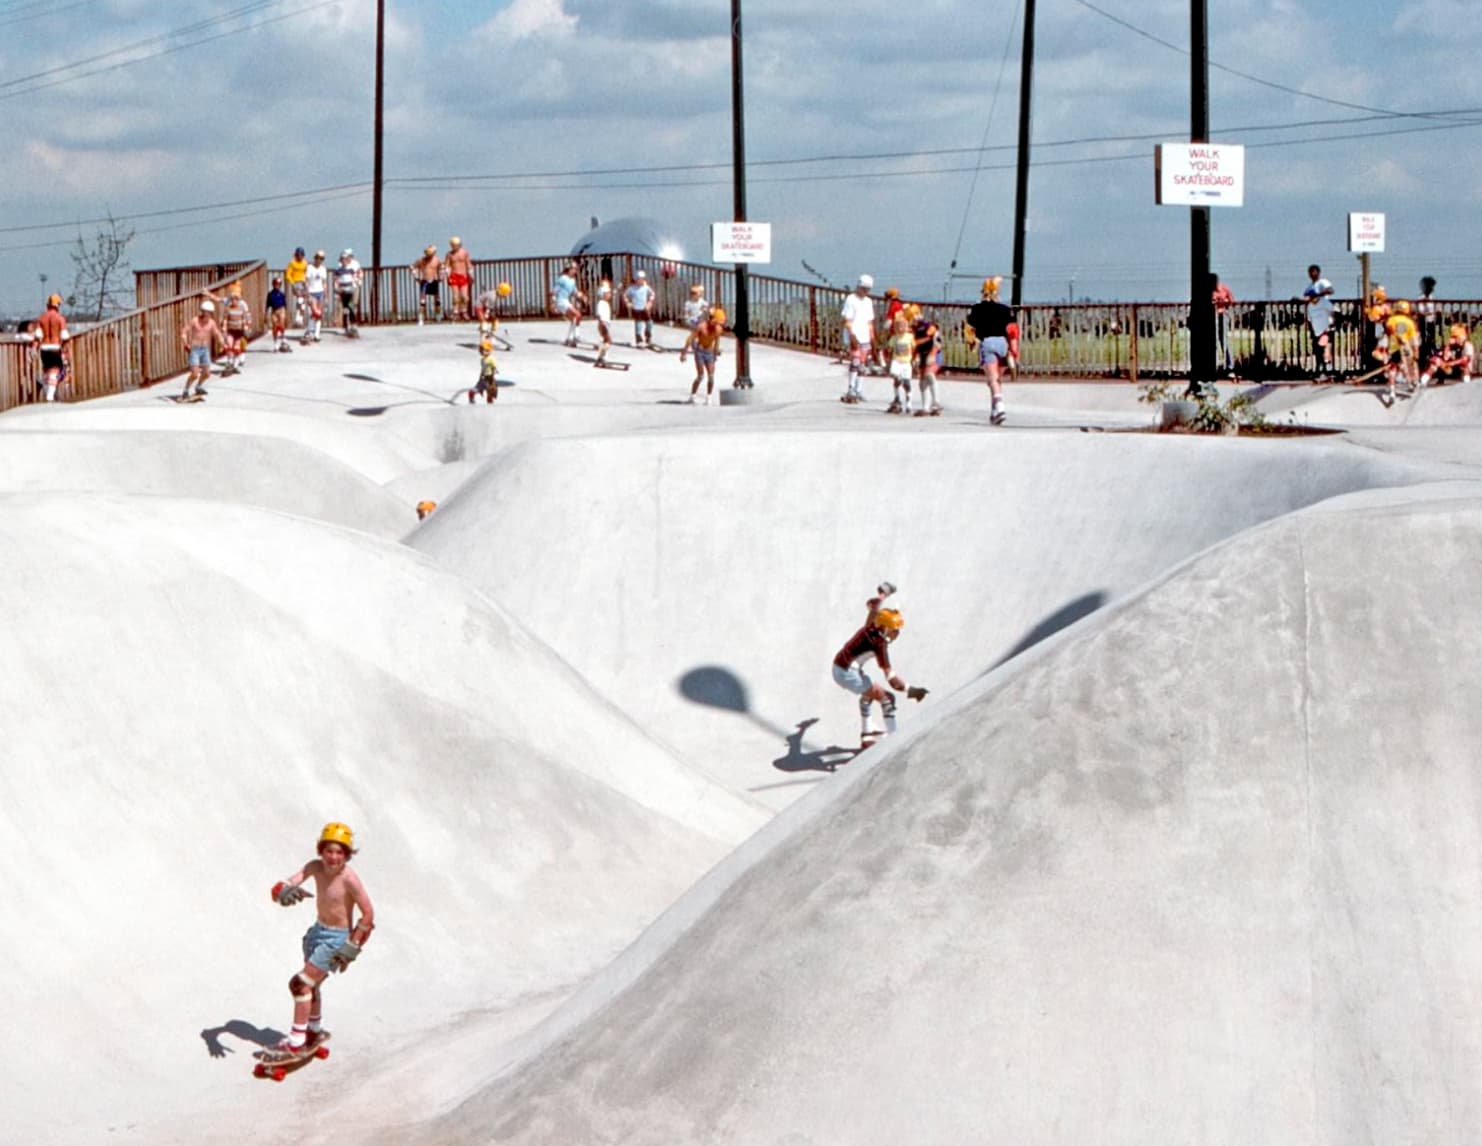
(1366, 231)
(741, 242)
(1200, 174)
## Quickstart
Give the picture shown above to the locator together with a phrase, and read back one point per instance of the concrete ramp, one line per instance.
(704, 581)
(267, 472)
(1206, 869)
(191, 690)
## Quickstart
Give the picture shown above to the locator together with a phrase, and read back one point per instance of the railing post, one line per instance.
(1132, 345)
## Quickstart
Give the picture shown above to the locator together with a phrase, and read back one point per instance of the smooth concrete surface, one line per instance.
(1182, 846)
(1205, 869)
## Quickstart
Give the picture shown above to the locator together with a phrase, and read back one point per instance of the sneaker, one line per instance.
(708, 398)
(421, 321)
(919, 414)
(936, 411)
(893, 408)
(690, 401)
(997, 417)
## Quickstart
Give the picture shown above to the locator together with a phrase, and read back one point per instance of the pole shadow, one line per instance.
(1062, 618)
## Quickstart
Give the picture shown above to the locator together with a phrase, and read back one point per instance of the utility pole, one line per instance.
(375, 299)
(1201, 286)
(742, 325)
(1021, 182)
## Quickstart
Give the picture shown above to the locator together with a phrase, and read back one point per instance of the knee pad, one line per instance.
(887, 706)
(301, 989)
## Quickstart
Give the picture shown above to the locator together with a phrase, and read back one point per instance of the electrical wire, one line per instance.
(987, 127)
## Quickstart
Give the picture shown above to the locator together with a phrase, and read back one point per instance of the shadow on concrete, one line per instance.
(1062, 618)
(799, 759)
(238, 1028)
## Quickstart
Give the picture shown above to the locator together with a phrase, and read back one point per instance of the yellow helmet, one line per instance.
(430, 249)
(1378, 294)
(54, 300)
(890, 622)
(1402, 307)
(718, 314)
(504, 290)
(486, 346)
(455, 241)
(425, 508)
(911, 311)
(234, 290)
(337, 833)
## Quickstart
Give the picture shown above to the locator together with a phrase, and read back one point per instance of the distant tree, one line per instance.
(101, 284)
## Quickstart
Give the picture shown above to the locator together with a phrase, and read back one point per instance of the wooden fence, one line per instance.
(134, 349)
(1134, 341)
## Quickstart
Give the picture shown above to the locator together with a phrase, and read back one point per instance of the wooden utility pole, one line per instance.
(1021, 184)
(375, 291)
(742, 324)
(1201, 286)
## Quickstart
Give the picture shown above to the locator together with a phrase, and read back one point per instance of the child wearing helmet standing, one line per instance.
(277, 308)
(604, 322)
(928, 337)
(902, 345)
(873, 639)
(858, 314)
(459, 268)
(704, 340)
(51, 335)
(991, 325)
(488, 384)
(428, 271)
(332, 943)
(237, 322)
(347, 278)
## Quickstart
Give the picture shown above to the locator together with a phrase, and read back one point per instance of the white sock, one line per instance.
(51, 391)
(298, 1036)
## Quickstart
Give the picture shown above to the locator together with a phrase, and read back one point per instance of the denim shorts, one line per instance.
(853, 679)
(200, 356)
(320, 942)
(992, 350)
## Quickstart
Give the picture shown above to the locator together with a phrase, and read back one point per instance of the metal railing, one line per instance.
(134, 349)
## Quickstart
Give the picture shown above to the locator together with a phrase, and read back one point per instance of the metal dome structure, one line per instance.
(631, 235)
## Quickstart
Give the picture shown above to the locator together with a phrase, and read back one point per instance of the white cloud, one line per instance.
(530, 19)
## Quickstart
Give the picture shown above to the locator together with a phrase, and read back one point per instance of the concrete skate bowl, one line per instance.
(191, 691)
(267, 472)
(1206, 868)
(675, 568)
(1454, 405)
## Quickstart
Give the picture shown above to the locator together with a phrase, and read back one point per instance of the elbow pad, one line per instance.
(1013, 331)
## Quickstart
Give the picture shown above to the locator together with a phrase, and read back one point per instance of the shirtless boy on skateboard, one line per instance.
(331, 944)
(873, 639)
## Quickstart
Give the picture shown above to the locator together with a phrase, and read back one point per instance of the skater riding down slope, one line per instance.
(873, 639)
(332, 943)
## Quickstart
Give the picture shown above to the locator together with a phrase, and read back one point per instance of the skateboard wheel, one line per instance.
(260, 1071)
(279, 1074)
(321, 1052)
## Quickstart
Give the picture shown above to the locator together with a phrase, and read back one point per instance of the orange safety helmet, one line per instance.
(890, 622)
(337, 833)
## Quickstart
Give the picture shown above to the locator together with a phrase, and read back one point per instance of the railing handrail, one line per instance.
(1266, 339)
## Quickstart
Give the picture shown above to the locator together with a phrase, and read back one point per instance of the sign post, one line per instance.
(1365, 237)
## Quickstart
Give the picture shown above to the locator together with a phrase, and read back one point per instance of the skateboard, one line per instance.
(185, 398)
(278, 1065)
(603, 364)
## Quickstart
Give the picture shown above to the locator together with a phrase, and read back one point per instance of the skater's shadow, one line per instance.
(816, 760)
(239, 1028)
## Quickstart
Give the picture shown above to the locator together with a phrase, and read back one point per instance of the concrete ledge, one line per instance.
(734, 397)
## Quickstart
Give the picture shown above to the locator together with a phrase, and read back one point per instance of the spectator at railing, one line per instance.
(1318, 298)
(1428, 317)
(50, 335)
(1223, 300)
(459, 266)
(428, 271)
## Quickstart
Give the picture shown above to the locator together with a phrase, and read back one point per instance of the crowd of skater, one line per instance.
(886, 337)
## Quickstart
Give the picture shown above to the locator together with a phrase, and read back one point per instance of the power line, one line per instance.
(1145, 34)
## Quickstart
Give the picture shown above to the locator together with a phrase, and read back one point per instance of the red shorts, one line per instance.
(458, 281)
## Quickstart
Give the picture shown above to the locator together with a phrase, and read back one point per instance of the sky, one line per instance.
(879, 139)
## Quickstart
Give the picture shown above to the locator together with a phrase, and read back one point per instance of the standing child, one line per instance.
(277, 305)
(347, 278)
(316, 286)
(566, 300)
(695, 307)
(51, 336)
(705, 340)
(640, 299)
(928, 337)
(237, 320)
(332, 943)
(604, 323)
(1402, 342)
(488, 384)
(902, 354)
(428, 271)
(459, 268)
(873, 639)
